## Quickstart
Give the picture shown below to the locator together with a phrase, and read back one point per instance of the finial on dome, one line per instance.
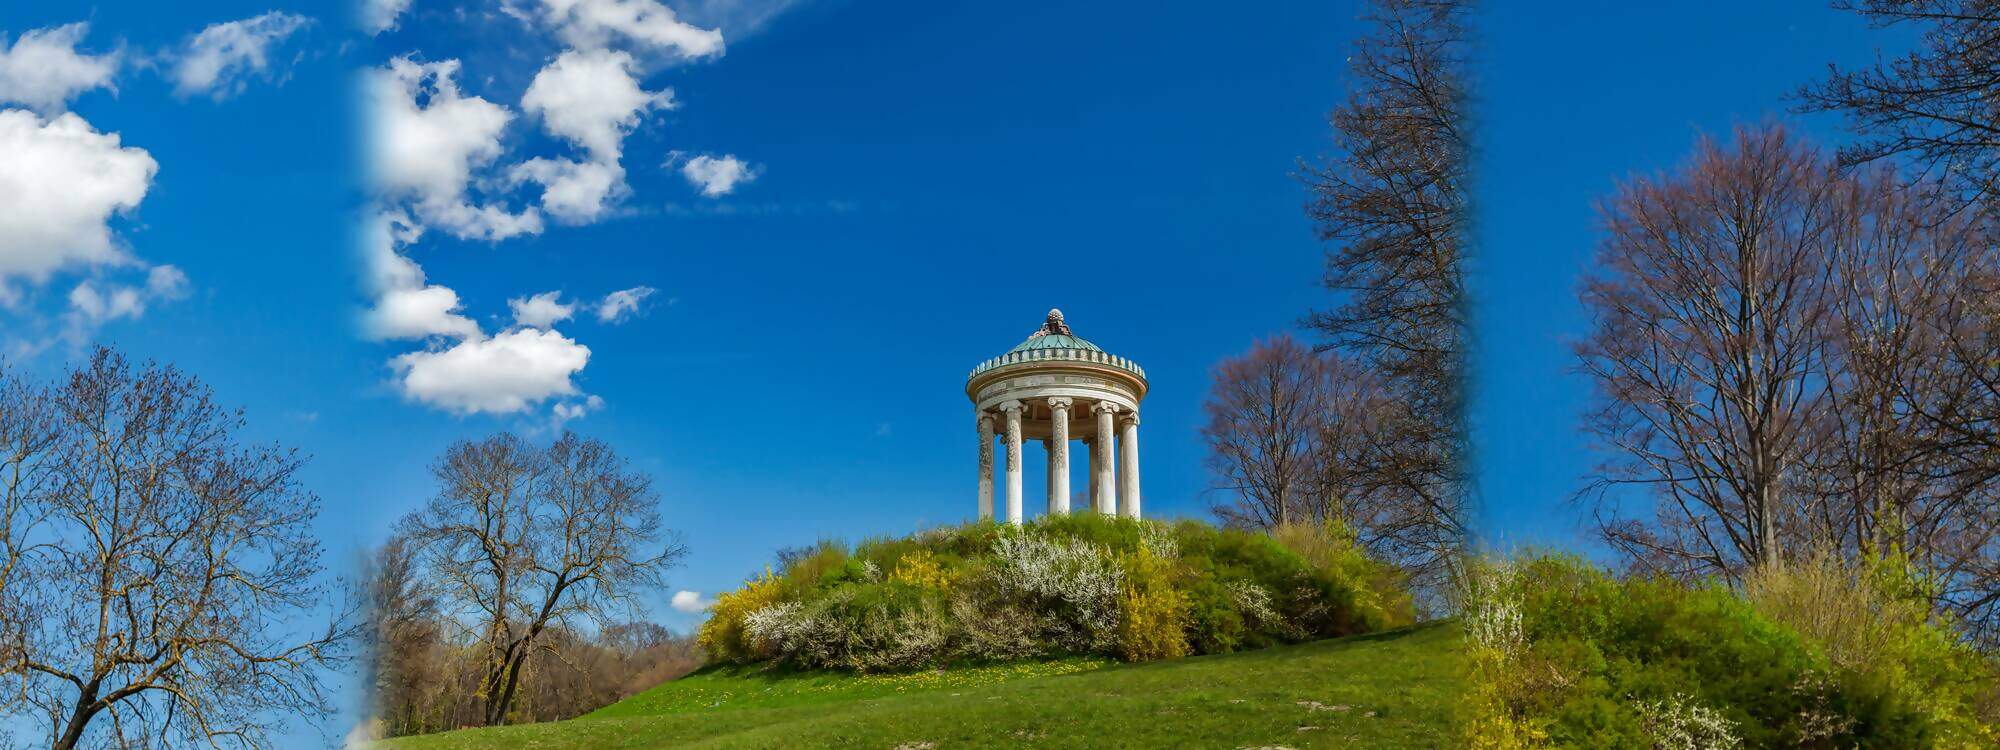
(1054, 325)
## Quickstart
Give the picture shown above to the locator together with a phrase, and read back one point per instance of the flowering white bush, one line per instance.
(913, 638)
(1077, 573)
(779, 628)
(1158, 539)
(1679, 723)
(835, 632)
(1819, 720)
(999, 630)
(1255, 603)
(1492, 610)
(936, 535)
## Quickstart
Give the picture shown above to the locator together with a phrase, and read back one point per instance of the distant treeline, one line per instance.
(429, 670)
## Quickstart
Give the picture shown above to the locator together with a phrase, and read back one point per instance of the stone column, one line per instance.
(1049, 470)
(1128, 464)
(1013, 411)
(1090, 472)
(1059, 455)
(985, 466)
(1101, 475)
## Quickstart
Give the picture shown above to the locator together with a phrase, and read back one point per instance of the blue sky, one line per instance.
(926, 180)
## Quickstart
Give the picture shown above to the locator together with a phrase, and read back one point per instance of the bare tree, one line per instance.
(524, 538)
(1792, 357)
(1960, 412)
(1392, 202)
(1901, 278)
(1707, 350)
(1917, 373)
(160, 580)
(1268, 411)
(1938, 108)
(1938, 105)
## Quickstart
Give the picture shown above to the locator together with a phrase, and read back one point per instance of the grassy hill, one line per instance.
(1384, 690)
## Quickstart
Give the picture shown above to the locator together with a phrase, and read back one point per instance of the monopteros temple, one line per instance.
(1056, 387)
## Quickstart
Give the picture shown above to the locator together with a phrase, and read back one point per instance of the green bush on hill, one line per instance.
(1065, 585)
(1565, 654)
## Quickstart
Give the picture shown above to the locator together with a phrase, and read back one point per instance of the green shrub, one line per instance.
(1333, 551)
(1215, 620)
(1076, 584)
(826, 562)
(1872, 618)
(1565, 654)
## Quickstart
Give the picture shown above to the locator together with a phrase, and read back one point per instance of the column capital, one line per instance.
(1129, 417)
(1060, 402)
(1103, 407)
(1010, 405)
(985, 420)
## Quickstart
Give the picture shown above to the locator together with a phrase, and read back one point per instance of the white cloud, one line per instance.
(378, 16)
(647, 23)
(574, 192)
(505, 374)
(426, 153)
(382, 236)
(591, 98)
(690, 602)
(217, 60)
(110, 304)
(43, 70)
(569, 410)
(439, 161)
(621, 304)
(429, 149)
(736, 18)
(61, 181)
(406, 307)
(166, 282)
(92, 304)
(718, 176)
(540, 311)
(419, 312)
(488, 222)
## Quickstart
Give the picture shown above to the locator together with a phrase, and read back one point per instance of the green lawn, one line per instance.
(1387, 690)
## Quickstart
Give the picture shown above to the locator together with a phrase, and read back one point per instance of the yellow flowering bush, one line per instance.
(722, 636)
(1154, 625)
(921, 569)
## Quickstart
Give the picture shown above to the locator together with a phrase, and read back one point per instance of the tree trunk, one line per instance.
(513, 680)
(79, 720)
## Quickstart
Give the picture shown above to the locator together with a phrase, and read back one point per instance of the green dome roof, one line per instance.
(1054, 341)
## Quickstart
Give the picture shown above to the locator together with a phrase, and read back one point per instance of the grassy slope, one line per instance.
(1387, 690)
